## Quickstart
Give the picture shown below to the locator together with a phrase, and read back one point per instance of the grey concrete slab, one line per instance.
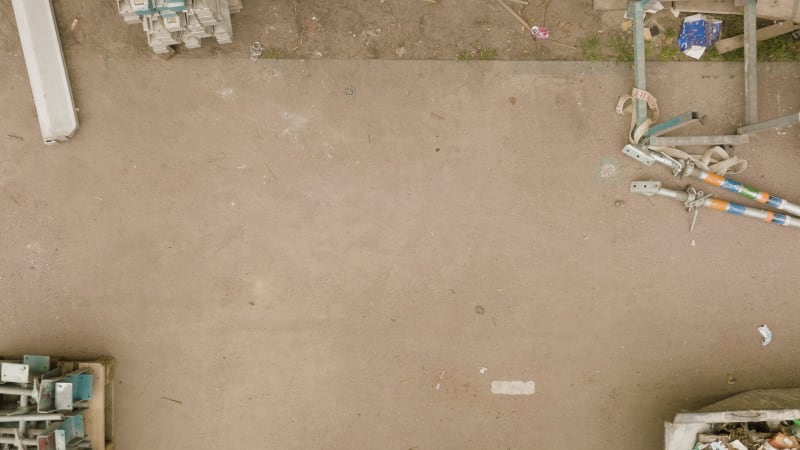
(301, 252)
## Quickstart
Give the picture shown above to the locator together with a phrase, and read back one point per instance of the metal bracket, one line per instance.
(64, 396)
(39, 364)
(73, 428)
(639, 154)
(14, 373)
(45, 401)
(81, 386)
(46, 442)
(61, 439)
(675, 123)
(648, 188)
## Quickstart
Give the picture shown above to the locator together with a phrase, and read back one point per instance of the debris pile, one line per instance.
(750, 436)
(170, 22)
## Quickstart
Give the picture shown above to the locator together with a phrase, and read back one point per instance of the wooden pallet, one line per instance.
(765, 9)
(99, 417)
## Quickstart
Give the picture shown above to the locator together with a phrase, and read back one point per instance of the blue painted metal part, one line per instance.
(171, 6)
(674, 123)
(775, 202)
(732, 186)
(81, 386)
(38, 364)
(735, 208)
(73, 428)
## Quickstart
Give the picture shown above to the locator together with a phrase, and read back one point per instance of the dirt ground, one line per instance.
(408, 30)
(340, 254)
(361, 29)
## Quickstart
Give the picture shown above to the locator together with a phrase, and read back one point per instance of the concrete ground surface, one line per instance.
(326, 254)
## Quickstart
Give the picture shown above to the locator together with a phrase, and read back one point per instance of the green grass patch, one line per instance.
(464, 55)
(623, 48)
(273, 53)
(670, 52)
(732, 25)
(487, 54)
(591, 48)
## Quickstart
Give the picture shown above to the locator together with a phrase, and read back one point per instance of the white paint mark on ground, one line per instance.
(482, 370)
(513, 387)
(225, 92)
(439, 383)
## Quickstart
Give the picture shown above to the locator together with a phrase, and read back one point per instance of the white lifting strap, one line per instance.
(715, 160)
(625, 107)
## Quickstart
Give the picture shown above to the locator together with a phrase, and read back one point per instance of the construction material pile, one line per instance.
(750, 436)
(171, 22)
(52, 404)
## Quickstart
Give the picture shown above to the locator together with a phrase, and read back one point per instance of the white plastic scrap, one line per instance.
(654, 8)
(766, 333)
(737, 444)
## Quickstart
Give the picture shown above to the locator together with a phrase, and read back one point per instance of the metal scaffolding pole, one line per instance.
(707, 141)
(636, 8)
(648, 157)
(693, 199)
(780, 122)
(750, 64)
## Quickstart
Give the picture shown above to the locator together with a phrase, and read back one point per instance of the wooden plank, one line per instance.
(779, 10)
(764, 33)
(708, 7)
(513, 14)
(765, 9)
(99, 417)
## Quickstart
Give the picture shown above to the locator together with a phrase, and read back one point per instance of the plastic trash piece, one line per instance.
(540, 32)
(766, 333)
(255, 51)
(782, 442)
(737, 444)
(698, 33)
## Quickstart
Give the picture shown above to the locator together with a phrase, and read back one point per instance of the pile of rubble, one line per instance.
(750, 436)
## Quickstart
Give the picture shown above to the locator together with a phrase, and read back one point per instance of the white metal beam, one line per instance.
(41, 45)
